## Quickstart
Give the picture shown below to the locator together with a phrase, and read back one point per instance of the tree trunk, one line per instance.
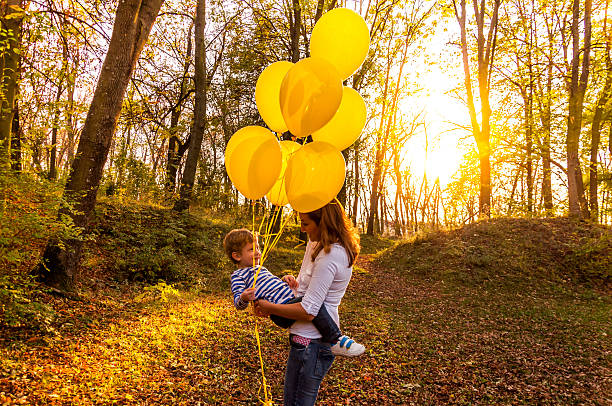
(295, 25)
(54, 128)
(133, 22)
(176, 149)
(529, 145)
(342, 193)
(356, 176)
(545, 115)
(398, 194)
(199, 112)
(16, 142)
(577, 89)
(527, 95)
(604, 97)
(319, 11)
(70, 133)
(11, 18)
(486, 52)
(60, 90)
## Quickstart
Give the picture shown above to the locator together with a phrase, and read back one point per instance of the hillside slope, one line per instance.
(513, 249)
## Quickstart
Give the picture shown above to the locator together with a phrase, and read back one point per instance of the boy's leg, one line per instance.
(326, 326)
(284, 322)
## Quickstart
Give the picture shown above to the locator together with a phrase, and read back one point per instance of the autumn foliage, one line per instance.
(501, 311)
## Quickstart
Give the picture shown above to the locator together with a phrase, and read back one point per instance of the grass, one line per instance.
(506, 311)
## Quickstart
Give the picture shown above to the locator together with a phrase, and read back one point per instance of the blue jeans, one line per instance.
(306, 368)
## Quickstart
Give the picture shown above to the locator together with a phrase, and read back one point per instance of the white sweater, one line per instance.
(323, 281)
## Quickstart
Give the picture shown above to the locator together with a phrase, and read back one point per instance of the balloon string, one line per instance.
(264, 384)
(268, 245)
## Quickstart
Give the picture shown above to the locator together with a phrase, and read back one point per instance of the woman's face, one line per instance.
(309, 227)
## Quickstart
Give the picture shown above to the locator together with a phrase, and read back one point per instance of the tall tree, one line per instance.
(544, 100)
(12, 14)
(598, 117)
(485, 56)
(577, 84)
(133, 22)
(199, 112)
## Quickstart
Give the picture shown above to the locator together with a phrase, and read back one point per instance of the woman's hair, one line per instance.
(235, 241)
(335, 227)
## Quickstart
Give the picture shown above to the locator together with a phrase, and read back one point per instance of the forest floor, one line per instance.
(470, 316)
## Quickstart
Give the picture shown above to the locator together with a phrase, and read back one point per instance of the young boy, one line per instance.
(242, 248)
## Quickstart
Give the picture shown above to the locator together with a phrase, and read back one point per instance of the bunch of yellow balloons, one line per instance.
(305, 98)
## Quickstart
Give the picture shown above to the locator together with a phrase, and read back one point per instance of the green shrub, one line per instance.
(148, 243)
(19, 309)
(28, 219)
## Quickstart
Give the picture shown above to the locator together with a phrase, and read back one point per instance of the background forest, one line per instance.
(508, 77)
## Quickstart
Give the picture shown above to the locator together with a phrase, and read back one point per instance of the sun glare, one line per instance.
(436, 150)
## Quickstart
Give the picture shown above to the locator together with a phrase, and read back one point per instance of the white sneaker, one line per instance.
(347, 347)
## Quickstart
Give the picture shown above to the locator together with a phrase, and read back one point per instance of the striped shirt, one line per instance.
(268, 287)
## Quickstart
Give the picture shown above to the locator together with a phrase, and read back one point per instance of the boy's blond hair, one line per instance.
(235, 241)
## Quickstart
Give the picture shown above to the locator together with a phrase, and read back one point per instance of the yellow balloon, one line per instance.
(267, 92)
(253, 161)
(314, 176)
(278, 194)
(310, 95)
(346, 125)
(341, 36)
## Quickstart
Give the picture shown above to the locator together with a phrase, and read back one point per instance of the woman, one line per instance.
(324, 276)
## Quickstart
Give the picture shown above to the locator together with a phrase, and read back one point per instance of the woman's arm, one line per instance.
(293, 311)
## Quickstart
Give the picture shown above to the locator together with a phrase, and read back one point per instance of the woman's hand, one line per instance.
(291, 281)
(261, 308)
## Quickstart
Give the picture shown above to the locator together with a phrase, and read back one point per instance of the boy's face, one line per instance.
(249, 255)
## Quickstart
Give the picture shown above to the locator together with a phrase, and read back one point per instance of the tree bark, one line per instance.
(133, 22)
(199, 111)
(11, 18)
(577, 89)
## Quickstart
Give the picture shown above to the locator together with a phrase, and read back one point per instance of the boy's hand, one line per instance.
(248, 295)
(291, 281)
